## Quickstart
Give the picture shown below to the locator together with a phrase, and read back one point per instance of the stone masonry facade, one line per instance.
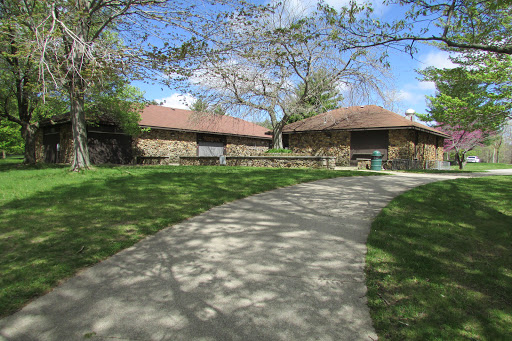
(326, 162)
(245, 146)
(403, 144)
(65, 154)
(164, 146)
(331, 143)
(414, 145)
(159, 146)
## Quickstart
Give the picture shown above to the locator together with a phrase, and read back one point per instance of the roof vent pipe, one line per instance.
(409, 113)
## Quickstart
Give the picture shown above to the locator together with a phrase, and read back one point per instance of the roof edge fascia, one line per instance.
(205, 132)
(369, 129)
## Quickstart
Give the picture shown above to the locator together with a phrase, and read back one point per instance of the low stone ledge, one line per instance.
(327, 162)
(154, 160)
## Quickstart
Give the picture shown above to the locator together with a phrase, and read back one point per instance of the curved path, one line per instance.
(282, 265)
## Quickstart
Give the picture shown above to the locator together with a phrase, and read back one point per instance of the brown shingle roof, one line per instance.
(155, 116)
(368, 117)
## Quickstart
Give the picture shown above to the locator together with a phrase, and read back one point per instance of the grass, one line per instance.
(11, 160)
(54, 222)
(482, 166)
(468, 168)
(439, 262)
(278, 151)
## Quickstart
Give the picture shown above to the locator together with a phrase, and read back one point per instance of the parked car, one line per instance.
(472, 159)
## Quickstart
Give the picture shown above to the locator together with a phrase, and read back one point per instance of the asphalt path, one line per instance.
(282, 265)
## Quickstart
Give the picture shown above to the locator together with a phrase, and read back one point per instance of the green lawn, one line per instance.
(468, 168)
(54, 222)
(11, 160)
(439, 262)
(481, 166)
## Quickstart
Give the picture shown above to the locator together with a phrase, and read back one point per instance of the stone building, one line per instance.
(107, 142)
(176, 132)
(353, 133)
(168, 134)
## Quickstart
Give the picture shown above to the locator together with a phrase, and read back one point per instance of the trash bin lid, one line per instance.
(376, 153)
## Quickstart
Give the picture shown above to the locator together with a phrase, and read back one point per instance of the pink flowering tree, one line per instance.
(462, 141)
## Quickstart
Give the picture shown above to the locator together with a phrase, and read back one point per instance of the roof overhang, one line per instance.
(437, 133)
(206, 132)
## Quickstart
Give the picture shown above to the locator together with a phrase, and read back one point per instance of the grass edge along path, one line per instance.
(439, 262)
(54, 222)
(468, 168)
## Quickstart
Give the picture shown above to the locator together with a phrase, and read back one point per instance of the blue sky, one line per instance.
(408, 91)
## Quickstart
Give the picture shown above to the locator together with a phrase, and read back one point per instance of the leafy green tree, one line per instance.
(72, 41)
(459, 24)
(322, 96)
(468, 104)
(10, 138)
(465, 99)
(199, 105)
(25, 101)
(118, 100)
(20, 102)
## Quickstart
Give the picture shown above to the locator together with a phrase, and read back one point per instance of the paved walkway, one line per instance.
(282, 265)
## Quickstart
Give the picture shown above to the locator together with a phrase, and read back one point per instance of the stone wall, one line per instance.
(245, 146)
(264, 161)
(401, 144)
(164, 146)
(331, 143)
(65, 143)
(66, 151)
(410, 144)
(427, 149)
(39, 146)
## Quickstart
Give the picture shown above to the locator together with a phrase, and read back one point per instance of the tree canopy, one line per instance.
(74, 45)
(460, 24)
(472, 100)
(321, 96)
(257, 66)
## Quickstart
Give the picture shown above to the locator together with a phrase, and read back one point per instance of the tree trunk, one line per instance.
(277, 136)
(28, 132)
(3, 154)
(459, 159)
(79, 126)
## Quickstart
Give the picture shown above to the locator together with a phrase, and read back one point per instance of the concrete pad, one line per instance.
(282, 265)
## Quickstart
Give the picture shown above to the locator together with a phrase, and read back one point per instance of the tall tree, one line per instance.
(467, 106)
(460, 24)
(10, 139)
(464, 99)
(116, 99)
(20, 100)
(71, 39)
(322, 96)
(201, 106)
(257, 65)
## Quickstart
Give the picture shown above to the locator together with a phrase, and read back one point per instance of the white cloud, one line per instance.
(427, 85)
(177, 101)
(300, 7)
(410, 96)
(438, 59)
(377, 5)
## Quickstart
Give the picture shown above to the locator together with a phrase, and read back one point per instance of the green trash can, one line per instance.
(376, 164)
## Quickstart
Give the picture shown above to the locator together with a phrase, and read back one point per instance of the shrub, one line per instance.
(278, 151)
